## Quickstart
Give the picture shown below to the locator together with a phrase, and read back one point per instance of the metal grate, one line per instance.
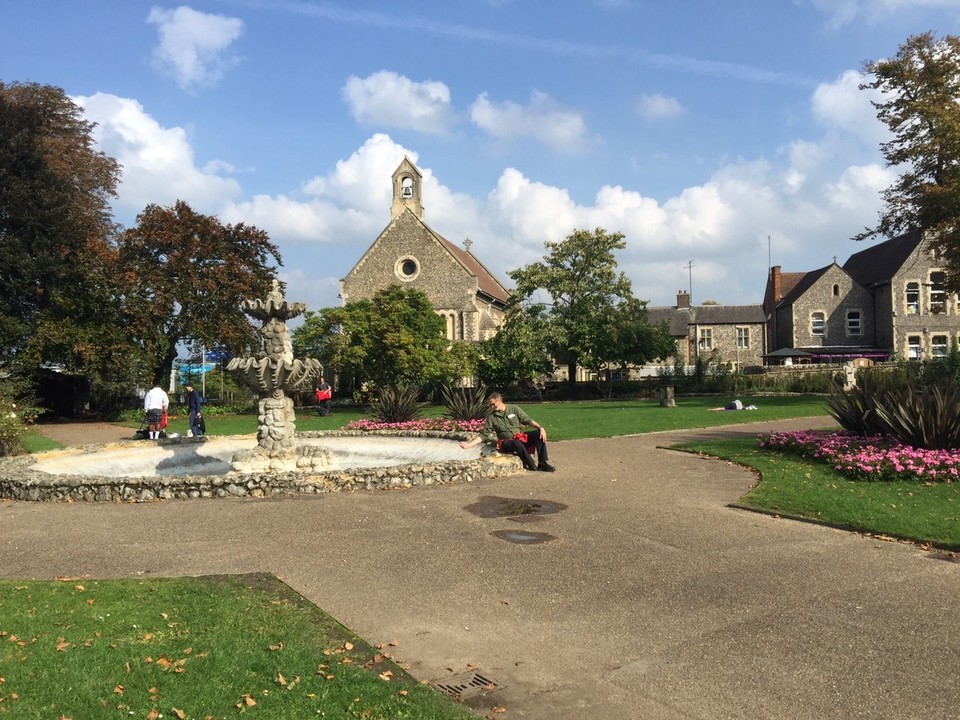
(465, 685)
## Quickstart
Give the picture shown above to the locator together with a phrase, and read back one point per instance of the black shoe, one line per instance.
(546, 467)
(531, 467)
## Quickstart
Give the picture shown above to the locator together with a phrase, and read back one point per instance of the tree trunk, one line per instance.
(572, 371)
(161, 371)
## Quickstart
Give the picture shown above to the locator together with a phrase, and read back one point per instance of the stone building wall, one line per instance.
(834, 294)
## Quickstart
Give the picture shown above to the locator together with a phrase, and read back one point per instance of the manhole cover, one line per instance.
(494, 507)
(465, 685)
(523, 537)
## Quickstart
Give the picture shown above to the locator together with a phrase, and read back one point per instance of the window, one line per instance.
(938, 293)
(406, 269)
(913, 347)
(913, 298)
(818, 324)
(743, 338)
(938, 346)
(836, 291)
(853, 323)
(706, 339)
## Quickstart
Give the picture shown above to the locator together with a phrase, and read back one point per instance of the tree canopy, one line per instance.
(517, 353)
(921, 107)
(591, 316)
(55, 236)
(395, 338)
(183, 276)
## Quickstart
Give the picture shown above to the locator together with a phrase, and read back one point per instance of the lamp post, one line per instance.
(736, 377)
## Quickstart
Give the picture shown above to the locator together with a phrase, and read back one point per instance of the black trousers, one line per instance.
(534, 438)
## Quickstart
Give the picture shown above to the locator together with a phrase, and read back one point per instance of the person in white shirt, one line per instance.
(155, 402)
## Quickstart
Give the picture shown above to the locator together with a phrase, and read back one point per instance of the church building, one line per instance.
(411, 254)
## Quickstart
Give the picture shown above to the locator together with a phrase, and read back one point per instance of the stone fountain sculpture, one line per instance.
(273, 373)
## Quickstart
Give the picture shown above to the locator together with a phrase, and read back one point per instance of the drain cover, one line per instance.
(523, 537)
(465, 685)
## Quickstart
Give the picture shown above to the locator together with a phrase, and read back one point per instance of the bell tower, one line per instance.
(406, 189)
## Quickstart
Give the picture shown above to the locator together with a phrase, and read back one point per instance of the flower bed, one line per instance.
(875, 458)
(422, 425)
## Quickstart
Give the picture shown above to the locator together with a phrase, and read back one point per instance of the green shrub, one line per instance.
(464, 403)
(921, 417)
(16, 412)
(855, 409)
(397, 404)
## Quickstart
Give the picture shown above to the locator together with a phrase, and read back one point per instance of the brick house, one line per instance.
(887, 300)
(732, 333)
(411, 254)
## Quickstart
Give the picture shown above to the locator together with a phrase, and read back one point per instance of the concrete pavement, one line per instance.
(653, 600)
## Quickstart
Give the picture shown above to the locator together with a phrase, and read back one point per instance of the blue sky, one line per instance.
(718, 132)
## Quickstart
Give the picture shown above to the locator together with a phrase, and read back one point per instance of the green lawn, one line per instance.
(192, 648)
(790, 486)
(565, 420)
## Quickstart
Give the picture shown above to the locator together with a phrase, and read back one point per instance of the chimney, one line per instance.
(683, 299)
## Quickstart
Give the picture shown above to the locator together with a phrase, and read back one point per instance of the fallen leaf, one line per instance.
(62, 644)
(499, 709)
(164, 616)
(90, 601)
(181, 715)
(281, 680)
(119, 690)
(278, 646)
(153, 715)
(79, 588)
(385, 676)
(403, 693)
(348, 646)
(148, 636)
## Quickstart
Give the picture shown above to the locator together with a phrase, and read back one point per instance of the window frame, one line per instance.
(818, 319)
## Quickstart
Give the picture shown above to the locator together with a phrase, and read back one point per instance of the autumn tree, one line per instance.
(921, 107)
(55, 238)
(580, 290)
(394, 338)
(184, 275)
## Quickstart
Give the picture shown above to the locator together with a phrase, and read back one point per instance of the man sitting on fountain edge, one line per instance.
(505, 424)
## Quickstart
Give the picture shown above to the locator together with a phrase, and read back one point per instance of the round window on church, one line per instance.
(407, 268)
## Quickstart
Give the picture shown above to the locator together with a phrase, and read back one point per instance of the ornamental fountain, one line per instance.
(273, 373)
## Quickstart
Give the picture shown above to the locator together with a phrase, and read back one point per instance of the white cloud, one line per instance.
(542, 119)
(844, 12)
(657, 107)
(158, 163)
(192, 45)
(392, 100)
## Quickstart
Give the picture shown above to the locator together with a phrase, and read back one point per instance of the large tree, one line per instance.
(55, 237)
(921, 107)
(184, 275)
(583, 288)
(517, 353)
(394, 338)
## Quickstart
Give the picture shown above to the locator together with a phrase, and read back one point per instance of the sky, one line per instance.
(718, 136)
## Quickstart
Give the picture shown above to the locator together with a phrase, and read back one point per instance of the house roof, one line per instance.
(679, 319)
(805, 281)
(878, 264)
(486, 282)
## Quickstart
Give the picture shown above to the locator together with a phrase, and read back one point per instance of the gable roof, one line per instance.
(486, 282)
(803, 284)
(878, 264)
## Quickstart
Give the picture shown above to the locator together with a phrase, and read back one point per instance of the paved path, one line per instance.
(655, 600)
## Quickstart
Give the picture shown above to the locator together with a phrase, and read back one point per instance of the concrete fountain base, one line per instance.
(183, 468)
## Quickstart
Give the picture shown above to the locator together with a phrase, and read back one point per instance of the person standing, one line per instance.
(505, 425)
(194, 403)
(324, 393)
(155, 404)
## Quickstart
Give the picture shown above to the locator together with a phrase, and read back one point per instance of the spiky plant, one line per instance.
(921, 418)
(397, 404)
(464, 403)
(855, 409)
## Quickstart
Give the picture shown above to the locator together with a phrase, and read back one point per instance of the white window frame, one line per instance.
(705, 339)
(913, 307)
(939, 349)
(913, 347)
(743, 338)
(818, 323)
(854, 323)
(938, 293)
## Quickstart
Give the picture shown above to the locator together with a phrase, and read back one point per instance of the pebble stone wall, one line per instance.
(18, 481)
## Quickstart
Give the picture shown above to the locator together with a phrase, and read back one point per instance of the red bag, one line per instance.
(522, 437)
(163, 420)
(324, 395)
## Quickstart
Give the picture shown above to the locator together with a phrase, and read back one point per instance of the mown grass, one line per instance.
(791, 486)
(564, 420)
(197, 648)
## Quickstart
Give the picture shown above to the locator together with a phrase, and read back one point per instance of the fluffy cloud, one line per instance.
(193, 45)
(801, 205)
(657, 107)
(542, 119)
(158, 163)
(844, 12)
(392, 100)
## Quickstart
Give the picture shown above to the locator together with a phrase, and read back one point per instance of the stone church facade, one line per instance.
(411, 254)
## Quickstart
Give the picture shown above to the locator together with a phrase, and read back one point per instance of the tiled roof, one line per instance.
(878, 264)
(679, 319)
(486, 282)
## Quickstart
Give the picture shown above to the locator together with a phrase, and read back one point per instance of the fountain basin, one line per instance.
(139, 471)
